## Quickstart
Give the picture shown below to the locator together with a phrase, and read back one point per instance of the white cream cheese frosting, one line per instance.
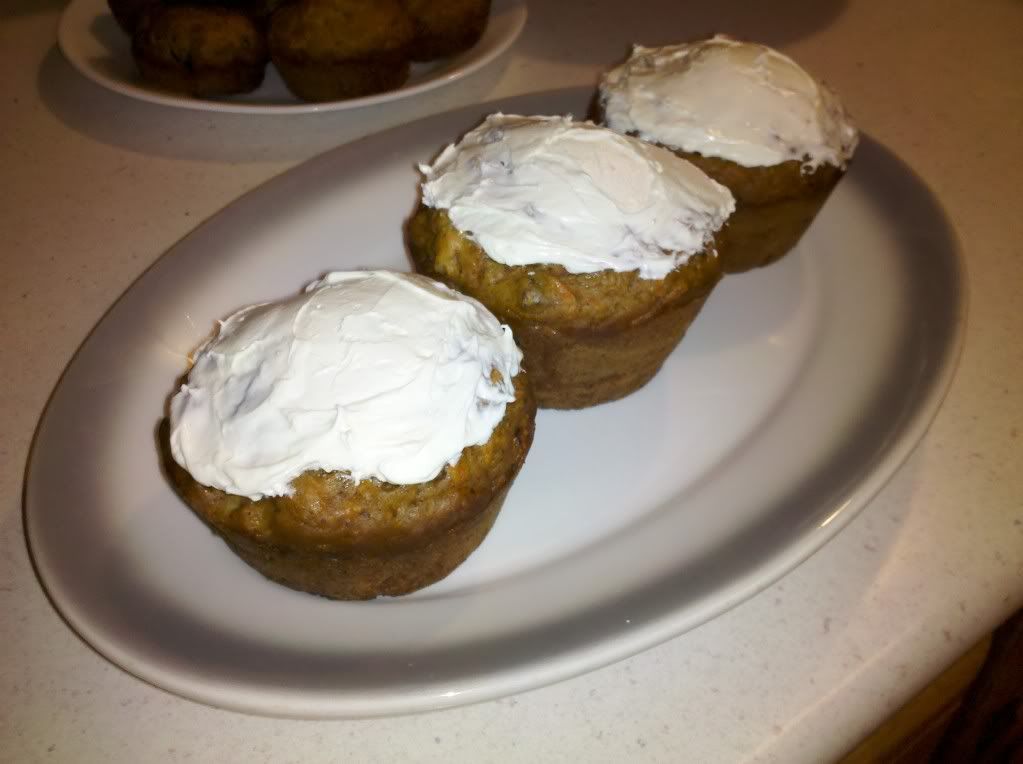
(739, 101)
(533, 190)
(374, 373)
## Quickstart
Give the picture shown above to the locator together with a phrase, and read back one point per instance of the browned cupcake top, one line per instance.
(341, 30)
(445, 27)
(549, 295)
(199, 38)
(764, 185)
(328, 511)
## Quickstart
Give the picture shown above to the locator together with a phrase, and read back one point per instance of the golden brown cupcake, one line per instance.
(201, 51)
(357, 440)
(329, 50)
(445, 27)
(749, 117)
(597, 249)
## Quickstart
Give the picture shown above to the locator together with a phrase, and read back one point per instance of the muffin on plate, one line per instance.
(445, 27)
(596, 248)
(752, 119)
(328, 50)
(201, 51)
(355, 440)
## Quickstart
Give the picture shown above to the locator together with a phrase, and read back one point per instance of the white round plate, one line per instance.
(798, 391)
(96, 46)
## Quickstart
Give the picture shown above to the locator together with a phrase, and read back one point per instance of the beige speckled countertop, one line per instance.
(96, 186)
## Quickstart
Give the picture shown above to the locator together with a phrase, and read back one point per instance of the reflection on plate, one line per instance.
(797, 393)
(91, 40)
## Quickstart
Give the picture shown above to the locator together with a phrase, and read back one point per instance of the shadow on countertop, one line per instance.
(14, 8)
(177, 133)
(613, 27)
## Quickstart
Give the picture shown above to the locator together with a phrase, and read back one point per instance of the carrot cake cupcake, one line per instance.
(445, 27)
(357, 439)
(597, 249)
(752, 119)
(328, 50)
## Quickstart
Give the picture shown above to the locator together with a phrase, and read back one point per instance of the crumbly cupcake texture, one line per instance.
(354, 441)
(329, 50)
(752, 119)
(445, 27)
(597, 249)
(199, 51)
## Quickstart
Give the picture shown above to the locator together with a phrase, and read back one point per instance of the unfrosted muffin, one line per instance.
(356, 440)
(752, 119)
(202, 51)
(328, 50)
(596, 248)
(445, 27)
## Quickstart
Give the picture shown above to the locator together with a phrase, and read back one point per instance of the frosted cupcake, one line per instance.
(752, 119)
(357, 439)
(596, 248)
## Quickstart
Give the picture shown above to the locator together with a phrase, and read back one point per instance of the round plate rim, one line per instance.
(68, 26)
(584, 656)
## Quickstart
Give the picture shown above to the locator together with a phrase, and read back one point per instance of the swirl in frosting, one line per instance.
(377, 374)
(548, 190)
(739, 101)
